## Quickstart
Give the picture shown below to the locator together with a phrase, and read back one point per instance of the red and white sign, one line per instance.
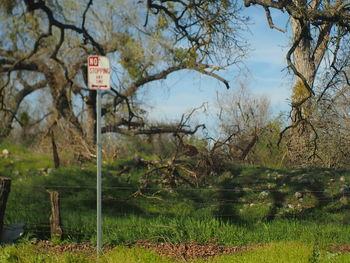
(98, 73)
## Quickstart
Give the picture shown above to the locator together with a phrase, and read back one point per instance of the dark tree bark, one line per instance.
(56, 157)
(10, 111)
(91, 117)
(5, 186)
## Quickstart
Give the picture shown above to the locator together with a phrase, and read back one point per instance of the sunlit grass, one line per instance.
(30, 254)
(133, 255)
(280, 252)
(291, 252)
(210, 213)
(283, 252)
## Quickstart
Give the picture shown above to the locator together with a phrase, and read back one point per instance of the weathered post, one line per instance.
(5, 186)
(55, 219)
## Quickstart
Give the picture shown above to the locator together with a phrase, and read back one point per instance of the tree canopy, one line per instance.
(45, 46)
(318, 57)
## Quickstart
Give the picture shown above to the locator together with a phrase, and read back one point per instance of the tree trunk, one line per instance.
(91, 117)
(5, 186)
(304, 64)
(56, 157)
(6, 124)
(91, 112)
(250, 146)
(61, 94)
(303, 53)
(299, 145)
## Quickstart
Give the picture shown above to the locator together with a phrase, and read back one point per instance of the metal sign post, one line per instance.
(98, 79)
(99, 176)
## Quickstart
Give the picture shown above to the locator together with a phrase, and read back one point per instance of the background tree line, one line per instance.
(44, 100)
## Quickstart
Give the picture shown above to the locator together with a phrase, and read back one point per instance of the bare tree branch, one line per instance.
(41, 5)
(269, 20)
(152, 130)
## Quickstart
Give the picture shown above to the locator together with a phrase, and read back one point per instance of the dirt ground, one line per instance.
(342, 248)
(190, 250)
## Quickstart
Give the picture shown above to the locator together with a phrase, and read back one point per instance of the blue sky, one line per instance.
(265, 75)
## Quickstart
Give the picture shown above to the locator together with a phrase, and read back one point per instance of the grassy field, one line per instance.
(305, 209)
(245, 214)
(282, 252)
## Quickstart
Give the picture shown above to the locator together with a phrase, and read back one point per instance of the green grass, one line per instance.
(274, 253)
(182, 214)
(22, 161)
(179, 229)
(280, 252)
(29, 254)
(242, 206)
(120, 230)
(133, 255)
(286, 252)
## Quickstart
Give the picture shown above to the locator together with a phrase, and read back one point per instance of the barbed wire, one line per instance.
(237, 188)
(221, 203)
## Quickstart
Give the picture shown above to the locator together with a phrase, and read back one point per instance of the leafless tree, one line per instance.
(242, 119)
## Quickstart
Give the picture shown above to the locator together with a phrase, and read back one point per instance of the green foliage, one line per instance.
(267, 151)
(185, 56)
(24, 118)
(315, 255)
(8, 5)
(254, 213)
(131, 54)
(225, 4)
(300, 92)
(162, 22)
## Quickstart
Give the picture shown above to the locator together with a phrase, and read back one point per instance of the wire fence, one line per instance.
(132, 212)
(72, 188)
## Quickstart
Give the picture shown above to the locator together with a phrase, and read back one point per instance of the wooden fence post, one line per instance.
(55, 219)
(5, 186)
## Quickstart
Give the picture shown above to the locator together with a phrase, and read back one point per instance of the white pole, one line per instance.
(99, 177)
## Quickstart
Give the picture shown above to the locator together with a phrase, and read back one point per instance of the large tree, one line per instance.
(319, 59)
(47, 44)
